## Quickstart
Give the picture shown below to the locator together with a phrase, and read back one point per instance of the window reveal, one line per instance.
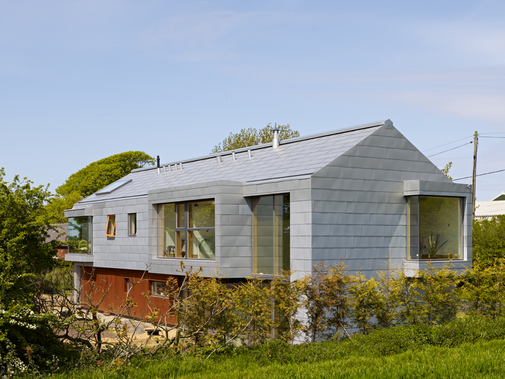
(271, 235)
(80, 235)
(435, 227)
(110, 230)
(187, 230)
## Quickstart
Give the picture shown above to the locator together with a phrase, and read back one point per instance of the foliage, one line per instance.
(488, 240)
(251, 137)
(57, 204)
(103, 172)
(446, 169)
(23, 232)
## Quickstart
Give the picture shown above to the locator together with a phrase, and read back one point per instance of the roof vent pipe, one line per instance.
(158, 161)
(276, 138)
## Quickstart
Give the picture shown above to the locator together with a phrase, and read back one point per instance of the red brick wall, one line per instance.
(106, 288)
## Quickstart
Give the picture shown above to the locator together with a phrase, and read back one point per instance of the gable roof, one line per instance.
(294, 158)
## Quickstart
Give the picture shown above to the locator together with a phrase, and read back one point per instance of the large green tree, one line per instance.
(252, 137)
(100, 174)
(488, 240)
(24, 227)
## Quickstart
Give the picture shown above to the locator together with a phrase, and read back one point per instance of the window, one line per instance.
(271, 234)
(435, 225)
(80, 232)
(160, 289)
(187, 230)
(132, 224)
(110, 231)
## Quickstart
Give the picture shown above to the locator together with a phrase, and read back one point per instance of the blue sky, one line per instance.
(82, 80)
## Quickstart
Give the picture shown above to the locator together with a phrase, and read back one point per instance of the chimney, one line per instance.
(276, 138)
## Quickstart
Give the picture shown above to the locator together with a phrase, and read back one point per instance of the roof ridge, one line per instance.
(266, 145)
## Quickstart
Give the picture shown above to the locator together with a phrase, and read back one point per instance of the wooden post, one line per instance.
(474, 174)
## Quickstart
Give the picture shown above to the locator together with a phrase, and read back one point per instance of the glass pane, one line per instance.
(181, 216)
(413, 229)
(202, 214)
(440, 227)
(160, 289)
(263, 236)
(285, 262)
(78, 235)
(89, 232)
(111, 223)
(166, 230)
(181, 244)
(203, 243)
(133, 224)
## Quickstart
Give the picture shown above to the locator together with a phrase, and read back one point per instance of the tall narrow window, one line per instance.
(110, 231)
(435, 225)
(187, 230)
(271, 235)
(132, 224)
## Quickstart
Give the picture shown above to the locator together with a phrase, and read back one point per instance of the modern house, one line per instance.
(364, 195)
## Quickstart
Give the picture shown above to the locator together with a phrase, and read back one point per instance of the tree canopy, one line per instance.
(488, 240)
(24, 250)
(251, 137)
(100, 174)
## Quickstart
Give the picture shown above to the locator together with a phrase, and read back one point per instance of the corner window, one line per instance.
(187, 230)
(80, 234)
(132, 224)
(159, 289)
(435, 225)
(110, 231)
(271, 234)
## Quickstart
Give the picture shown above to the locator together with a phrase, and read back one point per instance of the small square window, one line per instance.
(111, 226)
(160, 289)
(132, 224)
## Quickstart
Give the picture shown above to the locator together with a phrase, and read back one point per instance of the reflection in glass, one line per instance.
(434, 227)
(202, 244)
(202, 214)
(181, 216)
(80, 235)
(166, 230)
(111, 226)
(132, 224)
(271, 234)
(181, 244)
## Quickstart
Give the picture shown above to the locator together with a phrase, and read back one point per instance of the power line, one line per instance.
(486, 173)
(445, 144)
(490, 137)
(457, 147)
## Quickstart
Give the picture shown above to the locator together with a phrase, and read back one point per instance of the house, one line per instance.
(364, 195)
(488, 209)
(60, 234)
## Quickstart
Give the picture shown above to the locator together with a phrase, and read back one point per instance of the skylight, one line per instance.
(112, 187)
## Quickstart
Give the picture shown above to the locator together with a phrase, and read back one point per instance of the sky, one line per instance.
(83, 80)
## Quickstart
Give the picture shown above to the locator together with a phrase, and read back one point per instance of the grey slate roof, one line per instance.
(293, 158)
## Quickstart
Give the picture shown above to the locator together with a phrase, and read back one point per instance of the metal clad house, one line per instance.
(363, 194)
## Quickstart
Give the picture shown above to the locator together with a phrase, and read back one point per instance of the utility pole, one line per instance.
(474, 174)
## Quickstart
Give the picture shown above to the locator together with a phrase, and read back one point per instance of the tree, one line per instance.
(252, 137)
(446, 169)
(100, 174)
(488, 240)
(23, 233)
(56, 206)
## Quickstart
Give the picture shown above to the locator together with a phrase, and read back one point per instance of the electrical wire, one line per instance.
(486, 173)
(454, 148)
(445, 144)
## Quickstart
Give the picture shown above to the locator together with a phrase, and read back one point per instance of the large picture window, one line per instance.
(271, 234)
(435, 225)
(187, 230)
(80, 232)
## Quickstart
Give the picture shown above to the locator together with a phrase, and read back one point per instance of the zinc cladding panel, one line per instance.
(373, 227)
(288, 160)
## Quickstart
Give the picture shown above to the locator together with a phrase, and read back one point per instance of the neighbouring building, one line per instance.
(489, 209)
(364, 195)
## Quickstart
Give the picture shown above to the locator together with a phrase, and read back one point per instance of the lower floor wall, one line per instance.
(125, 292)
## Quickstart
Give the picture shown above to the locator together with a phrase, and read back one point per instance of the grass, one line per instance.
(465, 348)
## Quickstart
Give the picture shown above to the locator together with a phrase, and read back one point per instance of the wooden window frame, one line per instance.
(113, 234)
